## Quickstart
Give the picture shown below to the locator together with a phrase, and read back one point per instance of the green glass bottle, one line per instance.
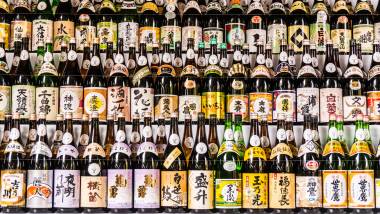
(238, 135)
(228, 183)
(40, 59)
(42, 24)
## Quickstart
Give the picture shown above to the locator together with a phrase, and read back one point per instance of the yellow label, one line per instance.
(228, 193)
(342, 38)
(165, 104)
(213, 103)
(4, 33)
(298, 5)
(166, 69)
(93, 191)
(296, 35)
(201, 189)
(281, 148)
(333, 146)
(255, 152)
(361, 191)
(150, 35)
(63, 31)
(261, 104)
(95, 99)
(149, 6)
(4, 5)
(228, 146)
(363, 33)
(340, 5)
(20, 29)
(171, 157)
(255, 190)
(282, 191)
(363, 5)
(377, 192)
(334, 188)
(268, 151)
(173, 188)
(13, 187)
(360, 147)
(5, 101)
(238, 104)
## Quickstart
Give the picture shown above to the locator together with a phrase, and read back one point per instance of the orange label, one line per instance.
(20, 29)
(360, 147)
(165, 105)
(361, 189)
(373, 105)
(213, 103)
(171, 157)
(282, 191)
(238, 104)
(93, 191)
(333, 146)
(255, 190)
(4, 33)
(95, 100)
(63, 31)
(334, 188)
(173, 189)
(261, 104)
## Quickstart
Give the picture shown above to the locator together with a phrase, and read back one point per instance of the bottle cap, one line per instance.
(110, 117)
(339, 118)
(136, 116)
(85, 117)
(201, 115)
(40, 44)
(94, 114)
(268, 46)
(254, 115)
(68, 115)
(72, 41)
(365, 118)
(63, 44)
(16, 115)
(263, 117)
(375, 42)
(41, 116)
(155, 45)
(306, 42)
(147, 114)
(280, 116)
(238, 117)
(329, 41)
(120, 115)
(359, 116)
(1, 39)
(187, 116)
(33, 116)
(201, 45)
(174, 114)
(60, 116)
(96, 40)
(289, 117)
(332, 116)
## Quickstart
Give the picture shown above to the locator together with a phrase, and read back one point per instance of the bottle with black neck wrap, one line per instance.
(373, 85)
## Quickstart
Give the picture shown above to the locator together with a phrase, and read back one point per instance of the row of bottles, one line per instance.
(253, 177)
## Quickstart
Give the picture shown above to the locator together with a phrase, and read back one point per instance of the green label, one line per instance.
(319, 34)
(228, 193)
(107, 32)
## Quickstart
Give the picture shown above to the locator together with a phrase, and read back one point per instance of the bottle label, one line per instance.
(281, 148)
(213, 103)
(142, 101)
(20, 29)
(238, 104)
(353, 105)
(361, 192)
(71, 100)
(255, 152)
(255, 190)
(166, 69)
(63, 31)
(174, 154)
(334, 188)
(93, 191)
(66, 188)
(5, 102)
(360, 146)
(165, 104)
(282, 190)
(228, 193)
(23, 100)
(276, 33)
(342, 37)
(119, 188)
(210, 32)
(128, 31)
(331, 102)
(307, 102)
(13, 186)
(107, 32)
(284, 102)
(118, 101)
(47, 102)
(14, 146)
(376, 29)
(94, 149)
(41, 148)
(174, 189)
(255, 35)
(189, 104)
(42, 32)
(373, 105)
(121, 148)
(147, 188)
(234, 31)
(261, 104)
(95, 101)
(298, 33)
(150, 35)
(309, 191)
(363, 34)
(4, 33)
(201, 189)
(39, 192)
(320, 31)
(333, 147)
(83, 34)
(147, 147)
(194, 32)
(172, 34)
(67, 150)
(377, 192)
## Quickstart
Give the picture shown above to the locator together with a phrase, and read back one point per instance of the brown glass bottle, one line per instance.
(110, 135)
(135, 139)
(213, 141)
(62, 58)
(84, 135)
(109, 63)
(57, 137)
(86, 60)
(161, 140)
(6, 132)
(32, 134)
(188, 140)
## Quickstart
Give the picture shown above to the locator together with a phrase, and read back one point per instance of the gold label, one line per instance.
(255, 190)
(4, 33)
(334, 188)
(93, 191)
(282, 191)
(107, 32)
(171, 157)
(360, 147)
(13, 187)
(361, 190)
(63, 31)
(213, 103)
(150, 35)
(228, 193)
(296, 35)
(340, 5)
(255, 152)
(333, 146)
(166, 69)
(165, 104)
(201, 189)
(342, 37)
(281, 148)
(309, 191)
(5, 101)
(173, 189)
(298, 5)
(20, 29)
(261, 104)
(95, 100)
(238, 104)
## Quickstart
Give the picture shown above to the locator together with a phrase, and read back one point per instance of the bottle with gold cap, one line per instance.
(161, 140)
(149, 25)
(188, 140)
(135, 138)
(58, 133)
(86, 60)
(32, 134)
(84, 135)
(110, 135)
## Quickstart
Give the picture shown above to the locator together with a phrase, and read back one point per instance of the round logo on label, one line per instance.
(174, 139)
(67, 138)
(292, 60)
(229, 166)
(86, 64)
(95, 101)
(72, 55)
(142, 60)
(120, 136)
(283, 57)
(166, 58)
(41, 130)
(237, 56)
(147, 131)
(229, 134)
(95, 61)
(63, 57)
(306, 58)
(269, 63)
(254, 140)
(32, 135)
(213, 148)
(360, 134)
(201, 61)
(333, 133)
(264, 141)
(15, 134)
(2, 52)
(223, 63)
(213, 60)
(281, 134)
(135, 137)
(201, 148)
(58, 135)
(330, 67)
(376, 57)
(314, 62)
(312, 165)
(246, 59)
(190, 54)
(93, 169)
(353, 60)
(48, 57)
(83, 140)
(16, 60)
(131, 64)
(289, 135)
(260, 59)
(24, 55)
(119, 58)
(41, 5)
(308, 135)
(189, 142)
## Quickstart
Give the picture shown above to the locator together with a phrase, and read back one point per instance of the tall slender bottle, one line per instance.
(32, 134)
(42, 24)
(16, 58)
(171, 24)
(264, 136)
(13, 198)
(128, 27)
(174, 172)
(213, 141)
(5, 137)
(110, 135)
(191, 25)
(62, 58)
(373, 84)
(188, 140)
(110, 62)
(277, 29)
(93, 179)
(281, 175)
(214, 27)
(67, 171)
(161, 140)
(228, 181)
(5, 82)
(200, 173)
(147, 172)
(341, 30)
(320, 25)
(120, 172)
(362, 26)
(135, 139)
(57, 137)
(84, 135)
(86, 60)
(149, 30)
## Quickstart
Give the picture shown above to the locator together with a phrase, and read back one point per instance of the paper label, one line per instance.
(309, 191)
(360, 146)
(261, 104)
(107, 32)
(147, 188)
(63, 31)
(334, 188)
(118, 101)
(39, 192)
(377, 192)
(149, 35)
(128, 31)
(42, 31)
(209, 32)
(142, 101)
(363, 34)
(66, 188)
(147, 147)
(276, 33)
(194, 32)
(213, 103)
(307, 102)
(296, 35)
(228, 193)
(94, 149)
(361, 192)
(47, 102)
(4, 33)
(165, 104)
(342, 37)
(373, 105)
(119, 188)
(93, 191)
(174, 189)
(255, 35)
(71, 100)
(331, 102)
(5, 102)
(172, 34)
(20, 29)
(68, 150)
(121, 148)
(189, 104)
(234, 31)
(284, 102)
(95, 100)
(255, 190)
(23, 100)
(13, 186)
(352, 106)
(333, 147)
(320, 31)
(83, 34)
(201, 189)
(238, 104)
(282, 191)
